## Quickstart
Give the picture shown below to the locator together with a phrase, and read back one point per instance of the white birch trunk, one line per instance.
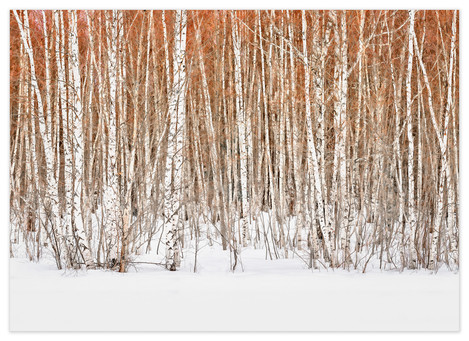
(174, 158)
(111, 189)
(77, 142)
(411, 219)
(452, 202)
(442, 135)
(149, 162)
(46, 134)
(313, 165)
(397, 156)
(243, 132)
(340, 193)
(67, 126)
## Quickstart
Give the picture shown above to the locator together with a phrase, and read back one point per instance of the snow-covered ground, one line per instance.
(277, 295)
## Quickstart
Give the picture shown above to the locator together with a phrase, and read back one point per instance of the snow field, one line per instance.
(276, 295)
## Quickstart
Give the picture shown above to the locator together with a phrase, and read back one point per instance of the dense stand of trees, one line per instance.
(341, 127)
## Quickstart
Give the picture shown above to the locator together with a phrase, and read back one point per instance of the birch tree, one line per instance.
(331, 136)
(174, 158)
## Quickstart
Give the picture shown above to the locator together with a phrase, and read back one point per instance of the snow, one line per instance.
(275, 295)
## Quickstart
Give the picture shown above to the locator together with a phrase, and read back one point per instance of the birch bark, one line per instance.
(111, 189)
(313, 164)
(52, 196)
(442, 136)
(411, 219)
(76, 126)
(174, 158)
(243, 130)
